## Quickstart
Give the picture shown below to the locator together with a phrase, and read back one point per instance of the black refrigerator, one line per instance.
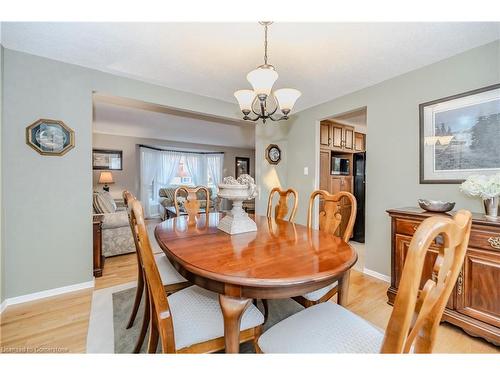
(359, 193)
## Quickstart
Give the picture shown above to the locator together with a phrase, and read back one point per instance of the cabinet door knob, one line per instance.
(494, 242)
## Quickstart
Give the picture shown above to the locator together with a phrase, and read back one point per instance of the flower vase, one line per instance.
(491, 207)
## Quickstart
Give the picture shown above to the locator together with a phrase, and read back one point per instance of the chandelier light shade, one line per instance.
(245, 99)
(286, 98)
(262, 80)
(262, 102)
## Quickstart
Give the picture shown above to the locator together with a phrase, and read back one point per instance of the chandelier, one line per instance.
(262, 102)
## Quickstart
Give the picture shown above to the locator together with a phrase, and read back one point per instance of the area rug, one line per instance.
(125, 339)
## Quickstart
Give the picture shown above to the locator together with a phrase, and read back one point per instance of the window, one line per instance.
(182, 175)
(165, 168)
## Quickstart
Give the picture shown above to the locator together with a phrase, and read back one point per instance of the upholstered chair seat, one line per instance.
(197, 316)
(318, 294)
(168, 273)
(323, 328)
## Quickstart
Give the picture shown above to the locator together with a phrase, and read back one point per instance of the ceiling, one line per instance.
(136, 119)
(355, 118)
(323, 60)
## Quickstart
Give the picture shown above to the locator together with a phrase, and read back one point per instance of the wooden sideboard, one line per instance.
(97, 245)
(474, 304)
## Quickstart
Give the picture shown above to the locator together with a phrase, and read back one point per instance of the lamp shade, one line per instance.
(245, 99)
(287, 98)
(262, 80)
(106, 178)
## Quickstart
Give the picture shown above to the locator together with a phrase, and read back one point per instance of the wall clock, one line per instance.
(273, 154)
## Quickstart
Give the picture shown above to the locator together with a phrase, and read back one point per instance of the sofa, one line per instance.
(116, 235)
(167, 199)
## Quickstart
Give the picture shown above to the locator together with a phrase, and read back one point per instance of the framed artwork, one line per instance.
(460, 136)
(50, 137)
(273, 154)
(107, 159)
(242, 166)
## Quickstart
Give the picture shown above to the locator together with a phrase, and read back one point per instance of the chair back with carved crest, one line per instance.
(192, 204)
(281, 209)
(160, 311)
(416, 314)
(333, 212)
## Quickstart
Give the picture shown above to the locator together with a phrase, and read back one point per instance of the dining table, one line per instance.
(279, 260)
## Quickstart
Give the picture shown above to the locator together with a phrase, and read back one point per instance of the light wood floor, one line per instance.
(60, 323)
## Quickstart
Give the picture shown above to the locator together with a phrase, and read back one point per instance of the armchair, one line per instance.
(116, 236)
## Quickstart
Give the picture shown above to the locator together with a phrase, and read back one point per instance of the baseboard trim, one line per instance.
(46, 293)
(377, 275)
(3, 305)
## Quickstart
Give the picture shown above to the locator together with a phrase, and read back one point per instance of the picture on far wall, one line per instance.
(460, 136)
(107, 159)
(242, 166)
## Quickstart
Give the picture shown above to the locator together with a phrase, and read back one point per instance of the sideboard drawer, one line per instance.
(406, 227)
(485, 239)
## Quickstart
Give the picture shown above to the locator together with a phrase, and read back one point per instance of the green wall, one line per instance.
(392, 141)
(2, 274)
(48, 200)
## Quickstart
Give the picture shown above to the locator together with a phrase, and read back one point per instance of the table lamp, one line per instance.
(106, 178)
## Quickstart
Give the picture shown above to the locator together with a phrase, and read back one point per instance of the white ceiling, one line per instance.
(158, 123)
(323, 60)
(355, 118)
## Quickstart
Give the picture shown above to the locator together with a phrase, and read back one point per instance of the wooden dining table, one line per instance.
(279, 260)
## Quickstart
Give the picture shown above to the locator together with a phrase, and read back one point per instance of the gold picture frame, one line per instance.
(50, 137)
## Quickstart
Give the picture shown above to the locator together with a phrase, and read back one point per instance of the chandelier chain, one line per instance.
(265, 44)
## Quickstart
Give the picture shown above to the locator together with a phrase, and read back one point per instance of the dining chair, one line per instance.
(281, 209)
(171, 279)
(415, 317)
(280, 213)
(192, 204)
(190, 320)
(335, 210)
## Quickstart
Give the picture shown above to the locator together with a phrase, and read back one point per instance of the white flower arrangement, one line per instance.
(482, 186)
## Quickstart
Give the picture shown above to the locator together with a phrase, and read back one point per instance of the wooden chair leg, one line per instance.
(257, 333)
(145, 324)
(266, 310)
(138, 297)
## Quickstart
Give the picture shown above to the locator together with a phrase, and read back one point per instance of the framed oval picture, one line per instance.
(50, 137)
(273, 154)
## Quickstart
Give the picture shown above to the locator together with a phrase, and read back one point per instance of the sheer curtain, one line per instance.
(149, 164)
(169, 163)
(215, 164)
(157, 170)
(195, 165)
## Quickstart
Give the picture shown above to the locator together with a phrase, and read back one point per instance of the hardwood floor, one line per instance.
(59, 324)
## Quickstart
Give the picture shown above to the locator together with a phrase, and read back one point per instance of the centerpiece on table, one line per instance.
(237, 190)
(486, 187)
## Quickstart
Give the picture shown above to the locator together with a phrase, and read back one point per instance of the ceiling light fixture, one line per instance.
(262, 101)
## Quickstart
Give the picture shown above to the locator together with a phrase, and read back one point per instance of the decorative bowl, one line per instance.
(436, 206)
